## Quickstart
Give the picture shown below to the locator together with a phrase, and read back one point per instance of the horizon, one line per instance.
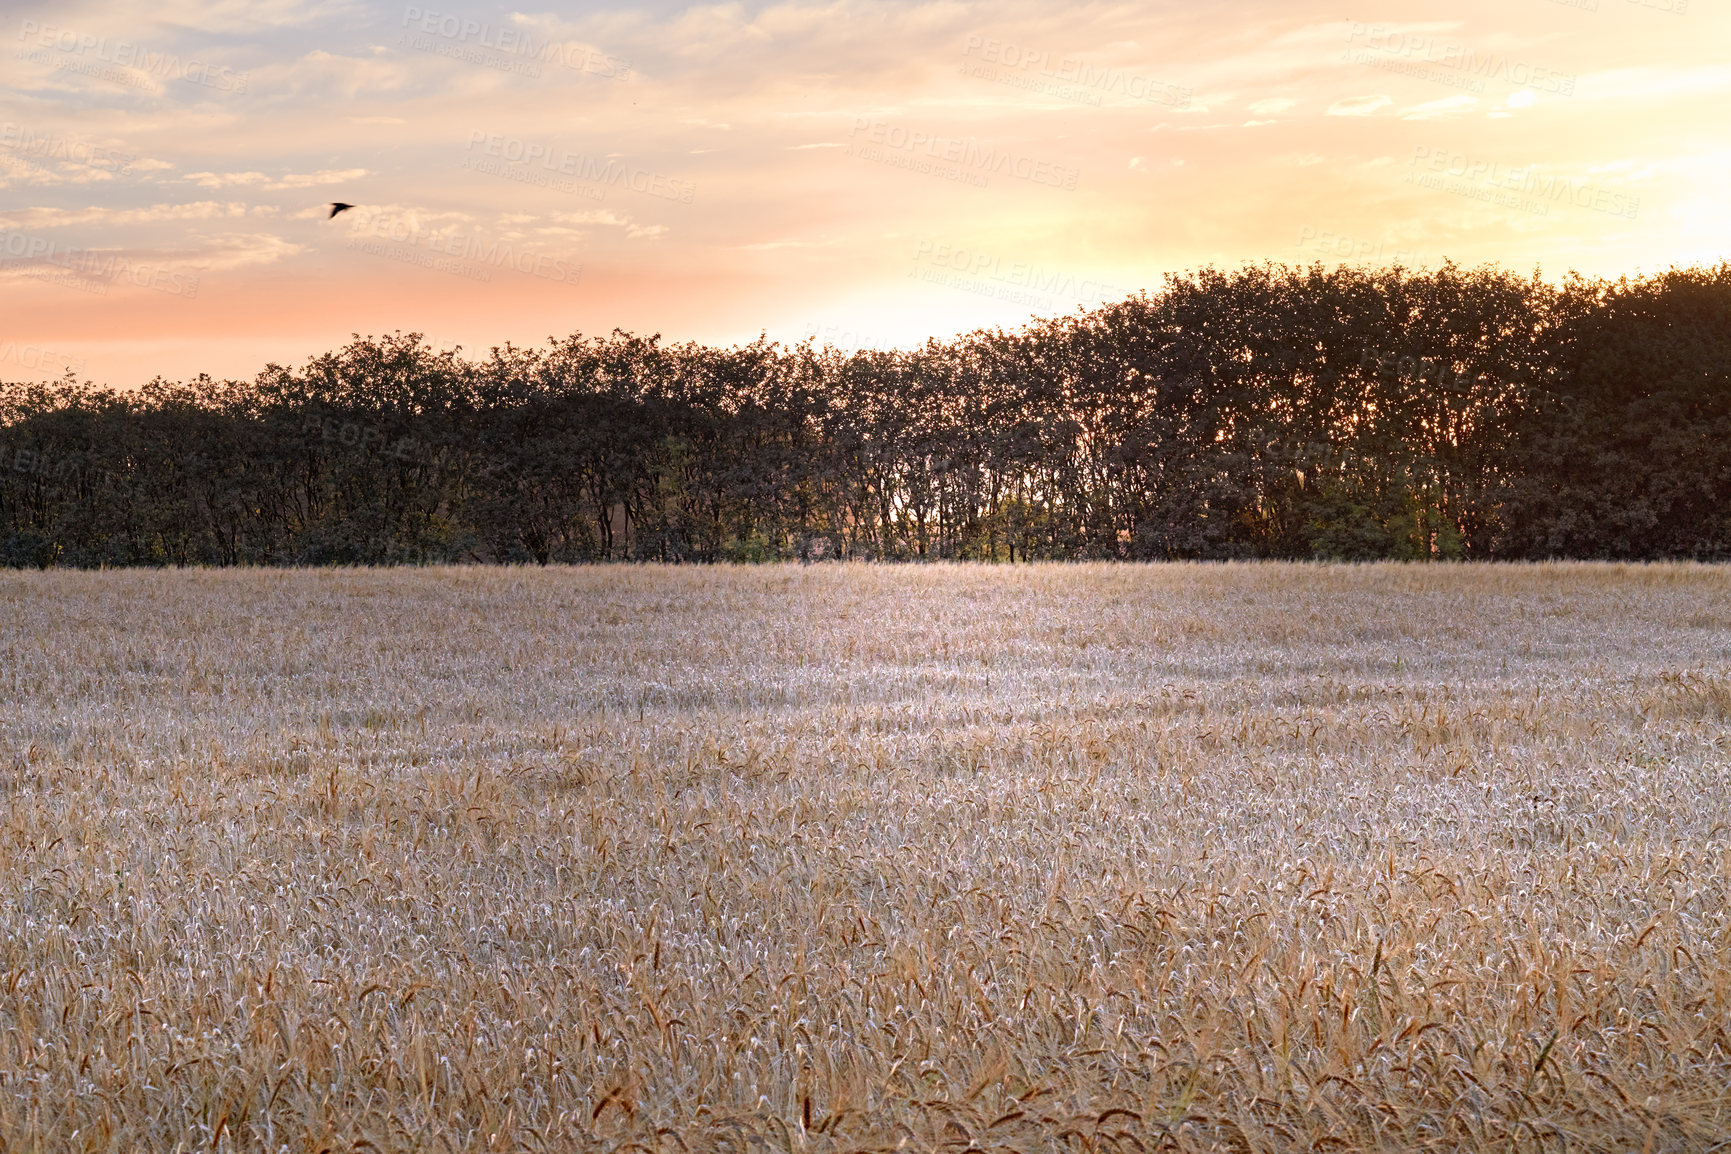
(865, 175)
(17, 353)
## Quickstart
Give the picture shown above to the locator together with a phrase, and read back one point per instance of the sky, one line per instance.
(864, 174)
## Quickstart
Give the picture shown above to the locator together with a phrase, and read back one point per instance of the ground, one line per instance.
(1259, 858)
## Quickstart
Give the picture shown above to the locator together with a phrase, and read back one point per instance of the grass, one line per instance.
(1261, 858)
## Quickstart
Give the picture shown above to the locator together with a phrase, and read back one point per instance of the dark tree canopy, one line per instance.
(1268, 412)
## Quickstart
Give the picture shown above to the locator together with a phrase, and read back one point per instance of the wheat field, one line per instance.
(832, 858)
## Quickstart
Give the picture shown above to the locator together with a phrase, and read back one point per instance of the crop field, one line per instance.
(846, 857)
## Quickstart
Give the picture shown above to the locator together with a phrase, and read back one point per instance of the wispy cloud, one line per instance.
(1360, 105)
(1446, 108)
(49, 217)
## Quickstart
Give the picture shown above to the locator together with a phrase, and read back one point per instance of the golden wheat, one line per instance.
(1259, 858)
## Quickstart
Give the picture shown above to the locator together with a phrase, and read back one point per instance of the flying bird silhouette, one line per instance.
(336, 207)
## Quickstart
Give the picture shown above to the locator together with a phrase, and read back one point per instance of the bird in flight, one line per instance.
(337, 207)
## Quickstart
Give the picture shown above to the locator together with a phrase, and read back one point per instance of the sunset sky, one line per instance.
(865, 173)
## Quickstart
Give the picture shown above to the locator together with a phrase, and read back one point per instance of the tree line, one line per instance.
(1264, 412)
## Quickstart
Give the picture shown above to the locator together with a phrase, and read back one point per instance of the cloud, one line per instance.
(596, 216)
(1446, 108)
(322, 76)
(316, 179)
(16, 170)
(607, 218)
(226, 179)
(242, 250)
(1272, 105)
(260, 180)
(243, 16)
(1360, 105)
(154, 214)
(767, 245)
(1624, 84)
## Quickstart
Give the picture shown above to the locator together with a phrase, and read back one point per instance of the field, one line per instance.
(826, 858)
